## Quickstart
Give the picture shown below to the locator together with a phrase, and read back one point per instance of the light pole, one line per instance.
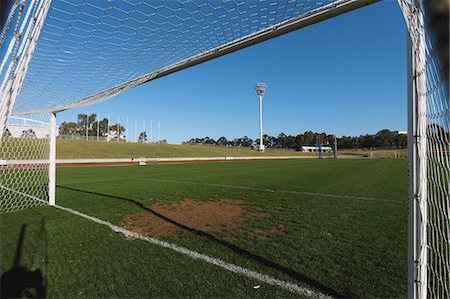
(107, 128)
(98, 127)
(87, 126)
(260, 90)
(159, 132)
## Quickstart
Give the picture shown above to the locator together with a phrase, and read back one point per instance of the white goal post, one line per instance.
(61, 54)
(429, 162)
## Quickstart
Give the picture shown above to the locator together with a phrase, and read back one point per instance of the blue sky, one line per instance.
(344, 76)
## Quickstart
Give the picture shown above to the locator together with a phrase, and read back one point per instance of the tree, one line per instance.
(246, 141)
(208, 141)
(235, 142)
(299, 141)
(7, 133)
(366, 141)
(345, 142)
(87, 120)
(222, 141)
(281, 140)
(102, 125)
(69, 128)
(401, 140)
(309, 138)
(267, 140)
(384, 138)
(143, 137)
(116, 132)
(28, 134)
(290, 141)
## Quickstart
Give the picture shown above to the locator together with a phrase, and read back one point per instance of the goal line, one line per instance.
(264, 278)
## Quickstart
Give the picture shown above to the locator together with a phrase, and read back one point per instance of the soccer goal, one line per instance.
(61, 54)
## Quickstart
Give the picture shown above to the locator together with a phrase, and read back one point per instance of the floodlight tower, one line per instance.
(260, 90)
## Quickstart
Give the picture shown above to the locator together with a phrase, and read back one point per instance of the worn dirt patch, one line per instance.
(168, 220)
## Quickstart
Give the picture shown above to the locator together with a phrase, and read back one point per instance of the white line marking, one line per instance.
(292, 287)
(273, 190)
(24, 194)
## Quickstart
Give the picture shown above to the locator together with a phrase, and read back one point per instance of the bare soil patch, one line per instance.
(169, 220)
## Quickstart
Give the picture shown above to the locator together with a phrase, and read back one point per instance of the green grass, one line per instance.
(73, 149)
(23, 148)
(386, 154)
(353, 245)
(79, 149)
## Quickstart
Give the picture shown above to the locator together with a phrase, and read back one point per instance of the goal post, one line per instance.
(429, 167)
(417, 211)
(58, 55)
(52, 160)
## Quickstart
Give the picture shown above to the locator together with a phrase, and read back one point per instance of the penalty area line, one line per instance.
(277, 190)
(289, 286)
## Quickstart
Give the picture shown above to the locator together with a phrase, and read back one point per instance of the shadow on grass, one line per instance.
(19, 282)
(241, 251)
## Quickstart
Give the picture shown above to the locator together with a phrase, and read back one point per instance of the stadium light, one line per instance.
(87, 126)
(260, 90)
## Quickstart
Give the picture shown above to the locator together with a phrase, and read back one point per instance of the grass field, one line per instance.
(80, 149)
(73, 149)
(338, 226)
(383, 153)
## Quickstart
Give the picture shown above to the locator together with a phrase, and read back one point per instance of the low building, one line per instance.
(112, 136)
(313, 148)
(400, 132)
(28, 131)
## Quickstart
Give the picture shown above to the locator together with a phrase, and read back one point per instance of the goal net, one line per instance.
(24, 162)
(429, 159)
(61, 54)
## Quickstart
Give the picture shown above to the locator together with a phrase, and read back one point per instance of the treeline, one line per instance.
(94, 127)
(102, 128)
(384, 139)
(90, 123)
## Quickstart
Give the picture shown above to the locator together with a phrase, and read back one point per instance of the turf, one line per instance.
(73, 149)
(344, 220)
(79, 149)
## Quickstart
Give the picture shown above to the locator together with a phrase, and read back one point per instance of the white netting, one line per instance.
(87, 47)
(90, 50)
(433, 150)
(437, 177)
(24, 163)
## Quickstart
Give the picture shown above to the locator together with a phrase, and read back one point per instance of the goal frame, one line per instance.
(416, 106)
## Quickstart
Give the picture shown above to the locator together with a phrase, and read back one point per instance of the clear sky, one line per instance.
(344, 76)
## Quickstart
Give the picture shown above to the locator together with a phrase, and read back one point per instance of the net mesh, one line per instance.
(87, 47)
(24, 163)
(433, 133)
(437, 180)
